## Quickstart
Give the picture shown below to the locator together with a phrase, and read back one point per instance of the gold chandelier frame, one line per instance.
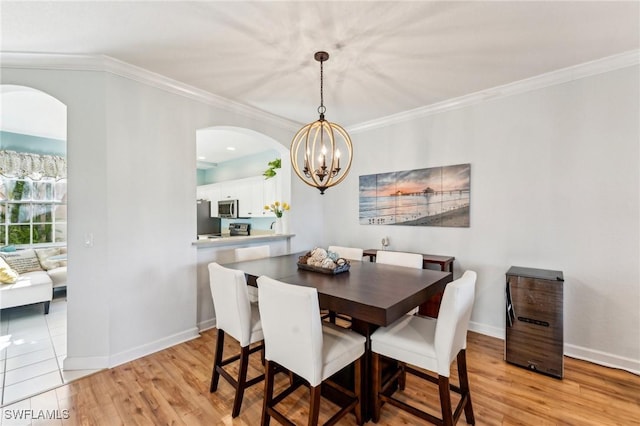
(315, 149)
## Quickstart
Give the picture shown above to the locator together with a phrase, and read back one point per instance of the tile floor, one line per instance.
(32, 349)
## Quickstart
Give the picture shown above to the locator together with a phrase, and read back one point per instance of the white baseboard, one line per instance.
(603, 358)
(152, 347)
(207, 324)
(85, 363)
(591, 355)
(487, 330)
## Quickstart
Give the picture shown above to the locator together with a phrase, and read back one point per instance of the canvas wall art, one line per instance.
(437, 196)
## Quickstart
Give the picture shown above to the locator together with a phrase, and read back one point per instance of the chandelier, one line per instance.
(315, 149)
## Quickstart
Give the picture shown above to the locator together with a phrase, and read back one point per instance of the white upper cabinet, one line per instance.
(272, 192)
(252, 194)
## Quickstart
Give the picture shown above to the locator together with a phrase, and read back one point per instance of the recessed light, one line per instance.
(202, 157)
(231, 148)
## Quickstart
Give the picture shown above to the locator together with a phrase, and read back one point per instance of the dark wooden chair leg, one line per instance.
(377, 378)
(464, 386)
(314, 409)
(217, 360)
(268, 393)
(242, 381)
(445, 401)
(357, 390)
(402, 379)
(46, 307)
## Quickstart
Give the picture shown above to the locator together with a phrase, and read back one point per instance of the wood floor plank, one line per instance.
(171, 387)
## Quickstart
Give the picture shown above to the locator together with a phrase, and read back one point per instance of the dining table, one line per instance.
(372, 294)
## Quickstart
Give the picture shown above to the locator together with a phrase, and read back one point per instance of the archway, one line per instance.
(33, 230)
(227, 153)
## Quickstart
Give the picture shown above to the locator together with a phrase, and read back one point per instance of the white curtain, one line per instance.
(35, 166)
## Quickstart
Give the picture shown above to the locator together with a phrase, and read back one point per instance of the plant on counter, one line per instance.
(271, 171)
(277, 208)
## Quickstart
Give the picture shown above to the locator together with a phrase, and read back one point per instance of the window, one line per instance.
(33, 212)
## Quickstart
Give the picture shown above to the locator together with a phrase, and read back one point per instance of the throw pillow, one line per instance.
(63, 250)
(7, 275)
(44, 255)
(23, 261)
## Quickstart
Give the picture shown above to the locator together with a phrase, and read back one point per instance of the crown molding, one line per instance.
(564, 75)
(103, 63)
(123, 69)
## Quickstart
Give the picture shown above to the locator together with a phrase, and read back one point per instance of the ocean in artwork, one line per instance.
(437, 196)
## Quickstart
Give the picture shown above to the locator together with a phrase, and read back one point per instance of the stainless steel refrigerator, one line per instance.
(207, 225)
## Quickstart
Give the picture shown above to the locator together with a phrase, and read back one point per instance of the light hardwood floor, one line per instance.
(171, 387)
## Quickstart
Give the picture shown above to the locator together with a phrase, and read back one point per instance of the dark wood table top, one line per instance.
(373, 293)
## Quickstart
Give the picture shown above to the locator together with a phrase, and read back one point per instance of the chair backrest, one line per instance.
(292, 327)
(251, 253)
(351, 253)
(231, 302)
(453, 320)
(398, 258)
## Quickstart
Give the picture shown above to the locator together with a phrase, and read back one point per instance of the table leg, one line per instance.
(365, 329)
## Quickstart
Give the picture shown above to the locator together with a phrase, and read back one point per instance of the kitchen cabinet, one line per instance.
(252, 193)
(271, 191)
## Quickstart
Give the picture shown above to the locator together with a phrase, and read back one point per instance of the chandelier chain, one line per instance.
(321, 109)
(321, 84)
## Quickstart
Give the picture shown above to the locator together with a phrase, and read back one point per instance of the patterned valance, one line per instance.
(35, 166)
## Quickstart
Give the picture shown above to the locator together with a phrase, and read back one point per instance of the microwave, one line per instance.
(228, 209)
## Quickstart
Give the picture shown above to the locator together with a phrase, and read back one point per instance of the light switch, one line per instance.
(88, 239)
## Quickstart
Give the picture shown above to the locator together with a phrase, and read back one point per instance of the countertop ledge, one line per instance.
(232, 241)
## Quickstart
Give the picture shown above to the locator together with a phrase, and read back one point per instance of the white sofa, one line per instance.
(33, 286)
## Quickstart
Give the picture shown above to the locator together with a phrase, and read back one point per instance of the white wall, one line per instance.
(88, 311)
(554, 184)
(243, 167)
(132, 185)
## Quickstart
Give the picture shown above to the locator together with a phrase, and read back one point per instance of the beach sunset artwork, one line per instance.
(437, 196)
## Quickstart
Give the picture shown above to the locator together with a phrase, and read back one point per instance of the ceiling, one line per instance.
(219, 144)
(385, 57)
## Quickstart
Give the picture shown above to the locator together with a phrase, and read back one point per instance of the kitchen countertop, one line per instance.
(227, 240)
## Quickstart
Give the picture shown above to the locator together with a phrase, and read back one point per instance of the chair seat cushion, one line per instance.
(256, 325)
(253, 294)
(58, 276)
(30, 287)
(340, 347)
(410, 340)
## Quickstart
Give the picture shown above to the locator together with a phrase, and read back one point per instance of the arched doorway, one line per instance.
(227, 154)
(33, 235)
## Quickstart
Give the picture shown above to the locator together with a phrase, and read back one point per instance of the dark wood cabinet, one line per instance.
(534, 324)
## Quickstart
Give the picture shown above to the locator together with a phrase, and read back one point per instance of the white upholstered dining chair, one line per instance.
(238, 318)
(296, 339)
(399, 258)
(251, 253)
(351, 253)
(430, 344)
